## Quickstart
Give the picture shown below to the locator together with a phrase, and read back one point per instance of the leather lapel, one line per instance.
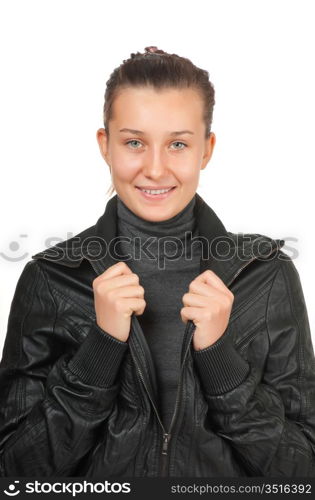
(224, 252)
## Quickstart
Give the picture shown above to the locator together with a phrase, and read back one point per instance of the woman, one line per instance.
(132, 350)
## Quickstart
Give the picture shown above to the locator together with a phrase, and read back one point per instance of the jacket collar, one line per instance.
(224, 252)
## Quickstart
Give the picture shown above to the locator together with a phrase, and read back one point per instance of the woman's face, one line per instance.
(157, 141)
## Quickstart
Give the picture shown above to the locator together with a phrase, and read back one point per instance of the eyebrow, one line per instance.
(140, 132)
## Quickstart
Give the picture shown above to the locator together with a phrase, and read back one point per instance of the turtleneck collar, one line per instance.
(175, 226)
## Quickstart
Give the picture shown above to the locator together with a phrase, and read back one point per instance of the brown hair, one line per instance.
(160, 70)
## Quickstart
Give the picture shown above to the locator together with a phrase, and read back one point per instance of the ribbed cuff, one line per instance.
(220, 366)
(98, 358)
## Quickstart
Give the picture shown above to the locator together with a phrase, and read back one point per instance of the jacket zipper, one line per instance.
(166, 436)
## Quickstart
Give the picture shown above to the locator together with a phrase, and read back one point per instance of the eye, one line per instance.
(136, 141)
(132, 140)
(179, 142)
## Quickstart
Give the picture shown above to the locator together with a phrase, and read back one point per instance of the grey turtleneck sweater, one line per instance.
(165, 276)
(97, 361)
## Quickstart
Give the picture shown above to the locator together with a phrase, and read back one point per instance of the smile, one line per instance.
(156, 194)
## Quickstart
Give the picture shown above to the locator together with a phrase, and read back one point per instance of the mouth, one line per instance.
(156, 194)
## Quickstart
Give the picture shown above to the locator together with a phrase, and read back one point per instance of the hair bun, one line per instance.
(153, 49)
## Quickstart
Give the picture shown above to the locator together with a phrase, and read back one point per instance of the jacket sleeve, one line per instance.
(270, 423)
(52, 401)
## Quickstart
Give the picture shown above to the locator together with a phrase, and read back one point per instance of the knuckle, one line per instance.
(97, 286)
(226, 301)
(135, 277)
(95, 282)
(192, 284)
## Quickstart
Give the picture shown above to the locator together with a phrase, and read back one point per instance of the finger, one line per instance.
(211, 278)
(117, 282)
(128, 291)
(218, 305)
(142, 305)
(189, 313)
(200, 288)
(118, 269)
(130, 305)
(192, 299)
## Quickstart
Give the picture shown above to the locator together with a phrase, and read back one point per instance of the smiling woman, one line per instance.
(185, 349)
(170, 158)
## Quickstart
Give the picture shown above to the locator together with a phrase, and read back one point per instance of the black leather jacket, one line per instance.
(73, 405)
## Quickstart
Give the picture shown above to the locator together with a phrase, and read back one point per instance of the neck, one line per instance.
(175, 226)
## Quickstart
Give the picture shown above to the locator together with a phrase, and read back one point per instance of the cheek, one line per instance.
(124, 170)
(186, 167)
(188, 174)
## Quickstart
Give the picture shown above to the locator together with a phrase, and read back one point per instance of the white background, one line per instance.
(56, 57)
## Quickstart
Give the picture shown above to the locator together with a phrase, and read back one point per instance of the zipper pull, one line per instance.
(166, 439)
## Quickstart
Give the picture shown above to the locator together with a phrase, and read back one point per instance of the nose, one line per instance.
(155, 166)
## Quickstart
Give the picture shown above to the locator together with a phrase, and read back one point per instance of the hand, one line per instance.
(117, 294)
(208, 304)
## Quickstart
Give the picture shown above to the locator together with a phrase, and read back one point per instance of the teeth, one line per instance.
(156, 191)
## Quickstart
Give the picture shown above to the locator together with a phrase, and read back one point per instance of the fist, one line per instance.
(117, 294)
(208, 304)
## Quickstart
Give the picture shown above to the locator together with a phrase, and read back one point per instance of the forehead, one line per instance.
(146, 105)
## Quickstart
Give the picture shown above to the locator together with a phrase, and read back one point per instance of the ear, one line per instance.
(102, 140)
(209, 147)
